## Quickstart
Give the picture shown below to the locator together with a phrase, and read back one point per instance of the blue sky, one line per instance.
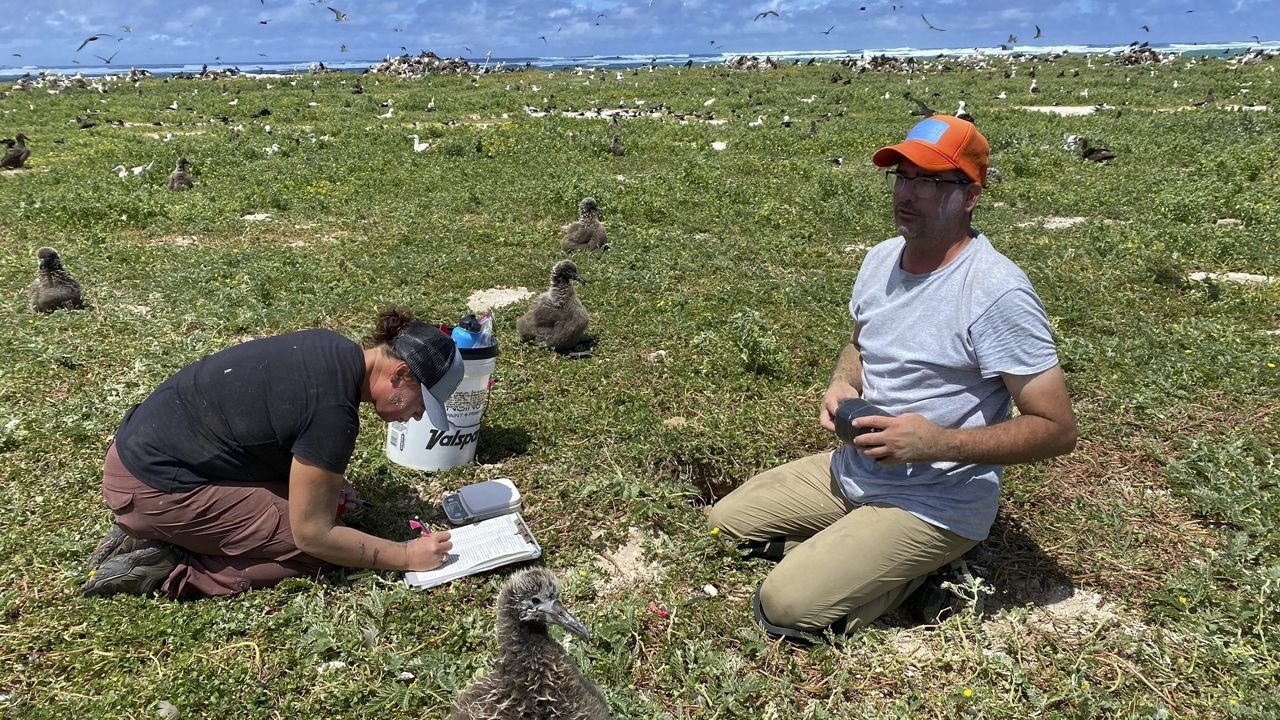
(169, 31)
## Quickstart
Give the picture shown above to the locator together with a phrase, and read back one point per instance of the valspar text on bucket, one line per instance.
(420, 444)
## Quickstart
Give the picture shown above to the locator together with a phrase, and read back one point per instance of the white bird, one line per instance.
(173, 105)
(275, 148)
(388, 113)
(419, 146)
(266, 128)
(719, 145)
(757, 122)
(431, 105)
(809, 99)
(1003, 95)
(121, 171)
(168, 137)
(709, 103)
(234, 103)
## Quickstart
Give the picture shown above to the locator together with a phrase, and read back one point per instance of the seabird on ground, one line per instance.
(419, 146)
(1095, 154)
(588, 232)
(921, 110)
(963, 113)
(180, 179)
(54, 287)
(532, 678)
(556, 318)
(18, 154)
(616, 149)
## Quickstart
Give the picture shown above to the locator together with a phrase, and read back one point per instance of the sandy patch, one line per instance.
(624, 569)
(1063, 110)
(1235, 277)
(1227, 222)
(494, 298)
(142, 310)
(179, 240)
(1053, 222)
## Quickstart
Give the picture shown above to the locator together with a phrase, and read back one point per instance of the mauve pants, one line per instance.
(237, 536)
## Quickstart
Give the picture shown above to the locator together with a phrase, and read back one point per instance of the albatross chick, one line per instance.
(556, 318)
(180, 179)
(17, 155)
(533, 678)
(588, 232)
(54, 287)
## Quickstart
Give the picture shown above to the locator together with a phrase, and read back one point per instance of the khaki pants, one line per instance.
(842, 561)
(237, 536)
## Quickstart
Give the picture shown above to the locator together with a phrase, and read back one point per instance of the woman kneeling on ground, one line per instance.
(230, 475)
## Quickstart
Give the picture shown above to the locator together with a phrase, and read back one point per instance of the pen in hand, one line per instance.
(416, 524)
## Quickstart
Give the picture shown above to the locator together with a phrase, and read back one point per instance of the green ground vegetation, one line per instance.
(1137, 577)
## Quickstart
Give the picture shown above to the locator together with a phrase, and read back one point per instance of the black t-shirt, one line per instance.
(242, 414)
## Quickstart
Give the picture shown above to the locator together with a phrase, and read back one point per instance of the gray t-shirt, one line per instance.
(936, 344)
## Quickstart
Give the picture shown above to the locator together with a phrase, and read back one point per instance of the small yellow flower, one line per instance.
(1271, 365)
(1084, 685)
(715, 530)
(1186, 352)
(583, 573)
(1182, 599)
(968, 692)
(1234, 701)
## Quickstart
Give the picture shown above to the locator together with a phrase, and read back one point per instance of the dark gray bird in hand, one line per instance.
(616, 148)
(556, 318)
(92, 38)
(588, 232)
(766, 13)
(338, 15)
(54, 287)
(17, 155)
(180, 179)
(532, 678)
(931, 27)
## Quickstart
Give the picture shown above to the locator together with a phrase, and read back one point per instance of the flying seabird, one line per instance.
(338, 15)
(532, 678)
(1037, 37)
(180, 179)
(17, 155)
(588, 232)
(92, 38)
(107, 60)
(54, 287)
(828, 30)
(556, 318)
(931, 27)
(766, 13)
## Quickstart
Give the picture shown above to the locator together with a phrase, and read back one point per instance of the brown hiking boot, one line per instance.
(138, 572)
(116, 541)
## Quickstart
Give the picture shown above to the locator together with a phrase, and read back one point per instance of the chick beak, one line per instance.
(555, 612)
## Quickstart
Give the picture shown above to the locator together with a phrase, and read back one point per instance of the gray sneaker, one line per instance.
(138, 572)
(115, 542)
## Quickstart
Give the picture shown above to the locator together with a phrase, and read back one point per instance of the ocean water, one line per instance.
(618, 62)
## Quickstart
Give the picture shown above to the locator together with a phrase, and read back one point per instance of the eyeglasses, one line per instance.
(922, 187)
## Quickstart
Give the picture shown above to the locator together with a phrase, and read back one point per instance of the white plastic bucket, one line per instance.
(421, 445)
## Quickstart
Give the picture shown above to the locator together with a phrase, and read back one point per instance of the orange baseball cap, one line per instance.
(940, 143)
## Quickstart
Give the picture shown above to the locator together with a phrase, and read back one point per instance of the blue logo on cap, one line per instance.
(929, 131)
